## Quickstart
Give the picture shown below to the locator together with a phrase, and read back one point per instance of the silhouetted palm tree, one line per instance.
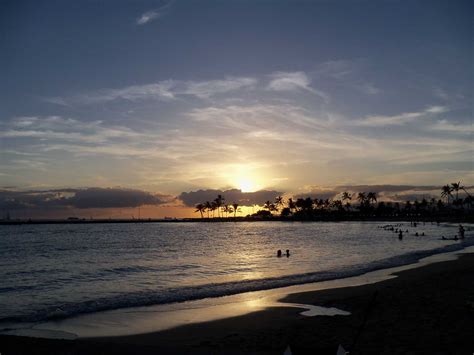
(226, 209)
(279, 201)
(291, 204)
(361, 198)
(200, 207)
(456, 186)
(219, 201)
(213, 208)
(270, 206)
(235, 205)
(346, 196)
(208, 207)
(446, 192)
(372, 196)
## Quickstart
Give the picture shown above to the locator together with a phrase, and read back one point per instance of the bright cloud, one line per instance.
(147, 17)
(164, 91)
(293, 81)
(401, 118)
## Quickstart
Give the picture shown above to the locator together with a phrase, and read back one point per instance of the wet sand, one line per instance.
(428, 310)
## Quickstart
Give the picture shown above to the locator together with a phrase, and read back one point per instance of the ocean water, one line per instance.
(57, 271)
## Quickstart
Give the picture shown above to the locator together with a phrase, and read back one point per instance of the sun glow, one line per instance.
(247, 185)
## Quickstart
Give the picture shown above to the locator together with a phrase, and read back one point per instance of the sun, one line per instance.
(247, 185)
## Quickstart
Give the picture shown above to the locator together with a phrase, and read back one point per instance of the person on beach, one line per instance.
(279, 253)
(416, 234)
(461, 231)
(287, 253)
(400, 235)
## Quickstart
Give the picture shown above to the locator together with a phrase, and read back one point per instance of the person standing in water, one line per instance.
(279, 253)
(400, 235)
(287, 253)
(461, 231)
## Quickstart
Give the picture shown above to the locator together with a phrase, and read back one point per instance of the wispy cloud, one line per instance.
(162, 90)
(400, 119)
(206, 89)
(445, 125)
(293, 81)
(368, 88)
(152, 15)
(57, 128)
(165, 90)
(147, 17)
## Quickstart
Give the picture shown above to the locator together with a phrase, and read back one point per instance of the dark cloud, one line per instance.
(79, 198)
(321, 194)
(112, 197)
(234, 195)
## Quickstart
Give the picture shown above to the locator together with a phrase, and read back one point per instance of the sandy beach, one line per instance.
(427, 310)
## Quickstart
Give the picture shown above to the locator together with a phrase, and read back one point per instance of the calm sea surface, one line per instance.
(49, 271)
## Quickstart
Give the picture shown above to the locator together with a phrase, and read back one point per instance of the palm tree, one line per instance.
(219, 201)
(235, 205)
(279, 201)
(226, 210)
(291, 204)
(346, 196)
(208, 207)
(200, 207)
(372, 196)
(456, 186)
(446, 192)
(270, 206)
(213, 208)
(361, 197)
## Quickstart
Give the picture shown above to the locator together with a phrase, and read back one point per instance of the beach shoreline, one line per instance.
(389, 219)
(425, 310)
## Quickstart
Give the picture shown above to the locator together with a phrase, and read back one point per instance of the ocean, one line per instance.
(62, 270)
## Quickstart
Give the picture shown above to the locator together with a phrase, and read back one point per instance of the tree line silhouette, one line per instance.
(361, 204)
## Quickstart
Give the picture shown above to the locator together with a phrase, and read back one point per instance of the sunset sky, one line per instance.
(104, 101)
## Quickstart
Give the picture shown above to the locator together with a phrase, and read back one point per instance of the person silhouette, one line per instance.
(279, 253)
(400, 235)
(287, 253)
